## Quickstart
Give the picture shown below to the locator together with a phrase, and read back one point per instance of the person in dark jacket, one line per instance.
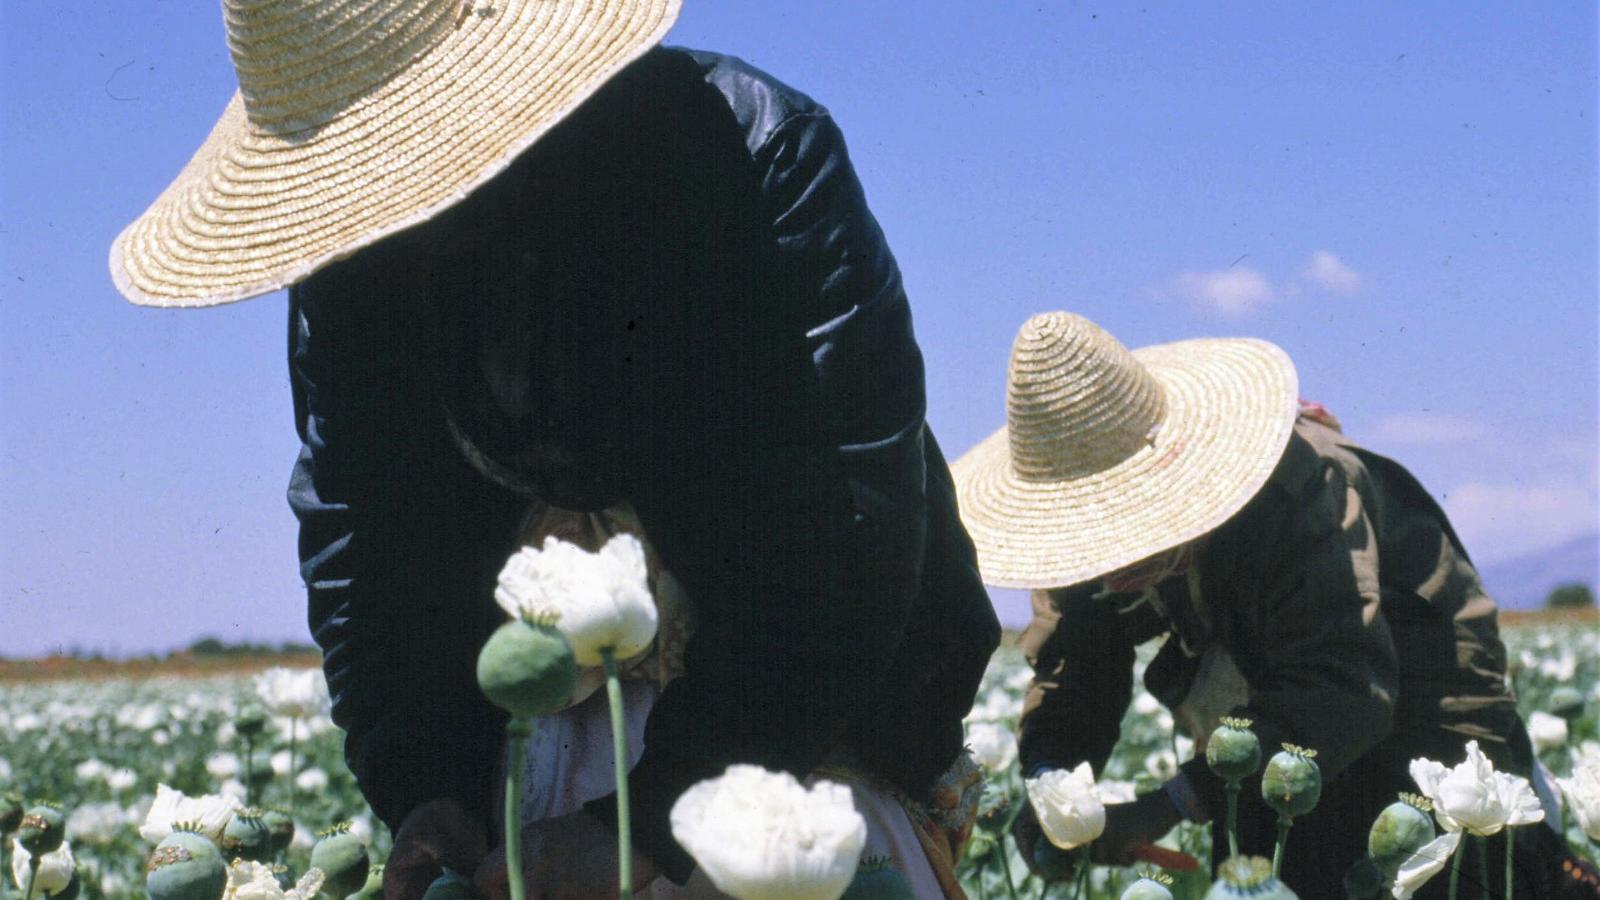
(676, 302)
(1301, 581)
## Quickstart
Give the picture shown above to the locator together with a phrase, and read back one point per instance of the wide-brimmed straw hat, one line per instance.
(355, 119)
(1109, 456)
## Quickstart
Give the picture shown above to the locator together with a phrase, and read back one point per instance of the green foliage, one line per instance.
(1574, 595)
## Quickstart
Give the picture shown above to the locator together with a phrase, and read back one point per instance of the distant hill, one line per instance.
(1522, 583)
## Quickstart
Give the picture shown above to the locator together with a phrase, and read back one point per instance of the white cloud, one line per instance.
(1329, 272)
(1425, 428)
(1503, 520)
(1231, 292)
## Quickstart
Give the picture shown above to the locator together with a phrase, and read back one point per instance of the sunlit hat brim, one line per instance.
(258, 209)
(1231, 406)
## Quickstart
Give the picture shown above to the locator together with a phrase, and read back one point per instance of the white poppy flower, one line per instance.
(1548, 732)
(311, 780)
(761, 835)
(993, 747)
(1068, 806)
(1583, 793)
(209, 813)
(96, 823)
(55, 869)
(120, 780)
(1424, 864)
(254, 881)
(603, 599)
(222, 765)
(294, 693)
(1473, 797)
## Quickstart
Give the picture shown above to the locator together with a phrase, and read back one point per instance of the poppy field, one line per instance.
(113, 755)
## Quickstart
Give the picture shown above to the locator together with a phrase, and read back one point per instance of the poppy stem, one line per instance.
(1455, 871)
(619, 747)
(1233, 819)
(1510, 837)
(1284, 822)
(517, 732)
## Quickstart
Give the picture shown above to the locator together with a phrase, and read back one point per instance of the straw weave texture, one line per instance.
(358, 118)
(1109, 457)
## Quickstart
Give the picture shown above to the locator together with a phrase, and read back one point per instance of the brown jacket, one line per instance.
(1342, 596)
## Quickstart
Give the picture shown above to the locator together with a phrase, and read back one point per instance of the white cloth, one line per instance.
(569, 763)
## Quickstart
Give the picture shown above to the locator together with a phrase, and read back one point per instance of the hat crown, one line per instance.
(303, 62)
(1077, 401)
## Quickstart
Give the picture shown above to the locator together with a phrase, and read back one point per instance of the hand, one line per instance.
(1131, 825)
(571, 856)
(1044, 859)
(436, 834)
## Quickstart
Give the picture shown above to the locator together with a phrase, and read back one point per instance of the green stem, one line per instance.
(517, 732)
(33, 872)
(619, 747)
(1455, 871)
(250, 771)
(1005, 868)
(1080, 887)
(1233, 819)
(1283, 838)
(1510, 836)
(1482, 846)
(294, 788)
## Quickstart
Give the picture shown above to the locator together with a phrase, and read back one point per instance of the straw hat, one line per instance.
(355, 119)
(1109, 457)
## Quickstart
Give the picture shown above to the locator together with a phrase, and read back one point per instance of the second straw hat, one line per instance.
(1110, 456)
(356, 119)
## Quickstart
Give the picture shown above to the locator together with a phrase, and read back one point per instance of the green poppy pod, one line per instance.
(1403, 828)
(1233, 751)
(527, 668)
(281, 827)
(246, 836)
(250, 723)
(1248, 877)
(875, 879)
(1567, 702)
(343, 860)
(42, 829)
(185, 866)
(449, 886)
(1292, 782)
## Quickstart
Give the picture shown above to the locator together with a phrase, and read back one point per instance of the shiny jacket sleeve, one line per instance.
(1302, 619)
(797, 523)
(386, 549)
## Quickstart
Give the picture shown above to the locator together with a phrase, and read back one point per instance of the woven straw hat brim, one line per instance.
(258, 209)
(1231, 406)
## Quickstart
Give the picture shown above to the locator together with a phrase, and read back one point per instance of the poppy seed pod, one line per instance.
(527, 668)
(1233, 751)
(281, 827)
(343, 860)
(42, 829)
(875, 879)
(449, 886)
(250, 723)
(246, 836)
(185, 866)
(1404, 827)
(1248, 876)
(1292, 782)
(1150, 886)
(1567, 702)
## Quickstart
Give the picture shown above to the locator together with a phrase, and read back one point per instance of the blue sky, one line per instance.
(1403, 196)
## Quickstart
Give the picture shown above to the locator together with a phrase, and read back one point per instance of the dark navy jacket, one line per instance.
(679, 298)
